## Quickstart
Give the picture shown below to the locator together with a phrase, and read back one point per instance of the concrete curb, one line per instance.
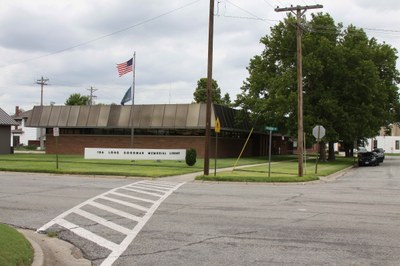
(191, 177)
(38, 258)
(336, 175)
(53, 251)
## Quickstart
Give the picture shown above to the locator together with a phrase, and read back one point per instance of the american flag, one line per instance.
(125, 67)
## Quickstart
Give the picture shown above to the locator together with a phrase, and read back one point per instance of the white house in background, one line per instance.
(21, 135)
(390, 143)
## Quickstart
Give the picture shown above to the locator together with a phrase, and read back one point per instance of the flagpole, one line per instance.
(133, 98)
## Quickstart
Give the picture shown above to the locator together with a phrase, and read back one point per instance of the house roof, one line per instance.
(157, 116)
(5, 119)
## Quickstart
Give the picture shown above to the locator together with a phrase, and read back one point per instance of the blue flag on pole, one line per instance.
(127, 96)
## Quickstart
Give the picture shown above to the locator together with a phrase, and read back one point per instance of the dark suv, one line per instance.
(381, 154)
(368, 158)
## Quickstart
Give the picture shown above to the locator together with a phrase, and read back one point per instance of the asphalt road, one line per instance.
(353, 220)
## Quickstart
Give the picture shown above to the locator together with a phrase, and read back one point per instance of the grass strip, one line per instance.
(283, 171)
(70, 164)
(15, 249)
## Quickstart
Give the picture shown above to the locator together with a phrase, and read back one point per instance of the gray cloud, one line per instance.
(379, 5)
(171, 50)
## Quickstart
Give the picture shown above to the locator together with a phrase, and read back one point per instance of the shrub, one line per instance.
(31, 147)
(191, 157)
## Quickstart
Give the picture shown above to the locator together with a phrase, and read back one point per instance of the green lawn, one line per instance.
(283, 171)
(45, 163)
(283, 168)
(15, 249)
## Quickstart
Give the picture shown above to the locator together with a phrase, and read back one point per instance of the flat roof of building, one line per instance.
(159, 116)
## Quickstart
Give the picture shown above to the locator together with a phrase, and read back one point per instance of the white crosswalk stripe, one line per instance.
(115, 211)
(102, 221)
(135, 189)
(136, 206)
(130, 197)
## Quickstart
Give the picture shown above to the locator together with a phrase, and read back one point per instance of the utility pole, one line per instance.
(209, 88)
(299, 11)
(42, 82)
(92, 90)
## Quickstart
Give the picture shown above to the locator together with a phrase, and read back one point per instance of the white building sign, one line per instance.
(135, 154)
(56, 132)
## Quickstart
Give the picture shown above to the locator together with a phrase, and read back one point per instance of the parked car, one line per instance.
(381, 154)
(362, 149)
(368, 158)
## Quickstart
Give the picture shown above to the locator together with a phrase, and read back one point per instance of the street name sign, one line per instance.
(271, 128)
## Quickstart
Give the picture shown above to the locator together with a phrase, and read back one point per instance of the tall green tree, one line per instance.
(226, 100)
(77, 99)
(350, 81)
(200, 93)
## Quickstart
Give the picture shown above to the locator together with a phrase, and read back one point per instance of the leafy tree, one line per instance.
(77, 99)
(226, 100)
(368, 86)
(350, 81)
(270, 93)
(200, 94)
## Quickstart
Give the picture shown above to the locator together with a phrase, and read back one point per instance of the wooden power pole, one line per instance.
(299, 11)
(209, 90)
(42, 82)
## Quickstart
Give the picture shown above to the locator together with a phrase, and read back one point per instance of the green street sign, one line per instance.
(271, 128)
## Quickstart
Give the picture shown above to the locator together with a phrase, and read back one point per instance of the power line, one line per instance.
(280, 2)
(268, 3)
(250, 18)
(244, 10)
(327, 29)
(104, 36)
(253, 16)
(319, 29)
(382, 30)
(366, 29)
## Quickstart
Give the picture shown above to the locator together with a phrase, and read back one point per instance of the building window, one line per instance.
(375, 144)
(397, 144)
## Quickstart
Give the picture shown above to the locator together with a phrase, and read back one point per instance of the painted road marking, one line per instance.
(102, 221)
(138, 191)
(132, 197)
(115, 211)
(141, 191)
(136, 206)
(152, 188)
(101, 241)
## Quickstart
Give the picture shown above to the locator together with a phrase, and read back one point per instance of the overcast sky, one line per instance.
(77, 44)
